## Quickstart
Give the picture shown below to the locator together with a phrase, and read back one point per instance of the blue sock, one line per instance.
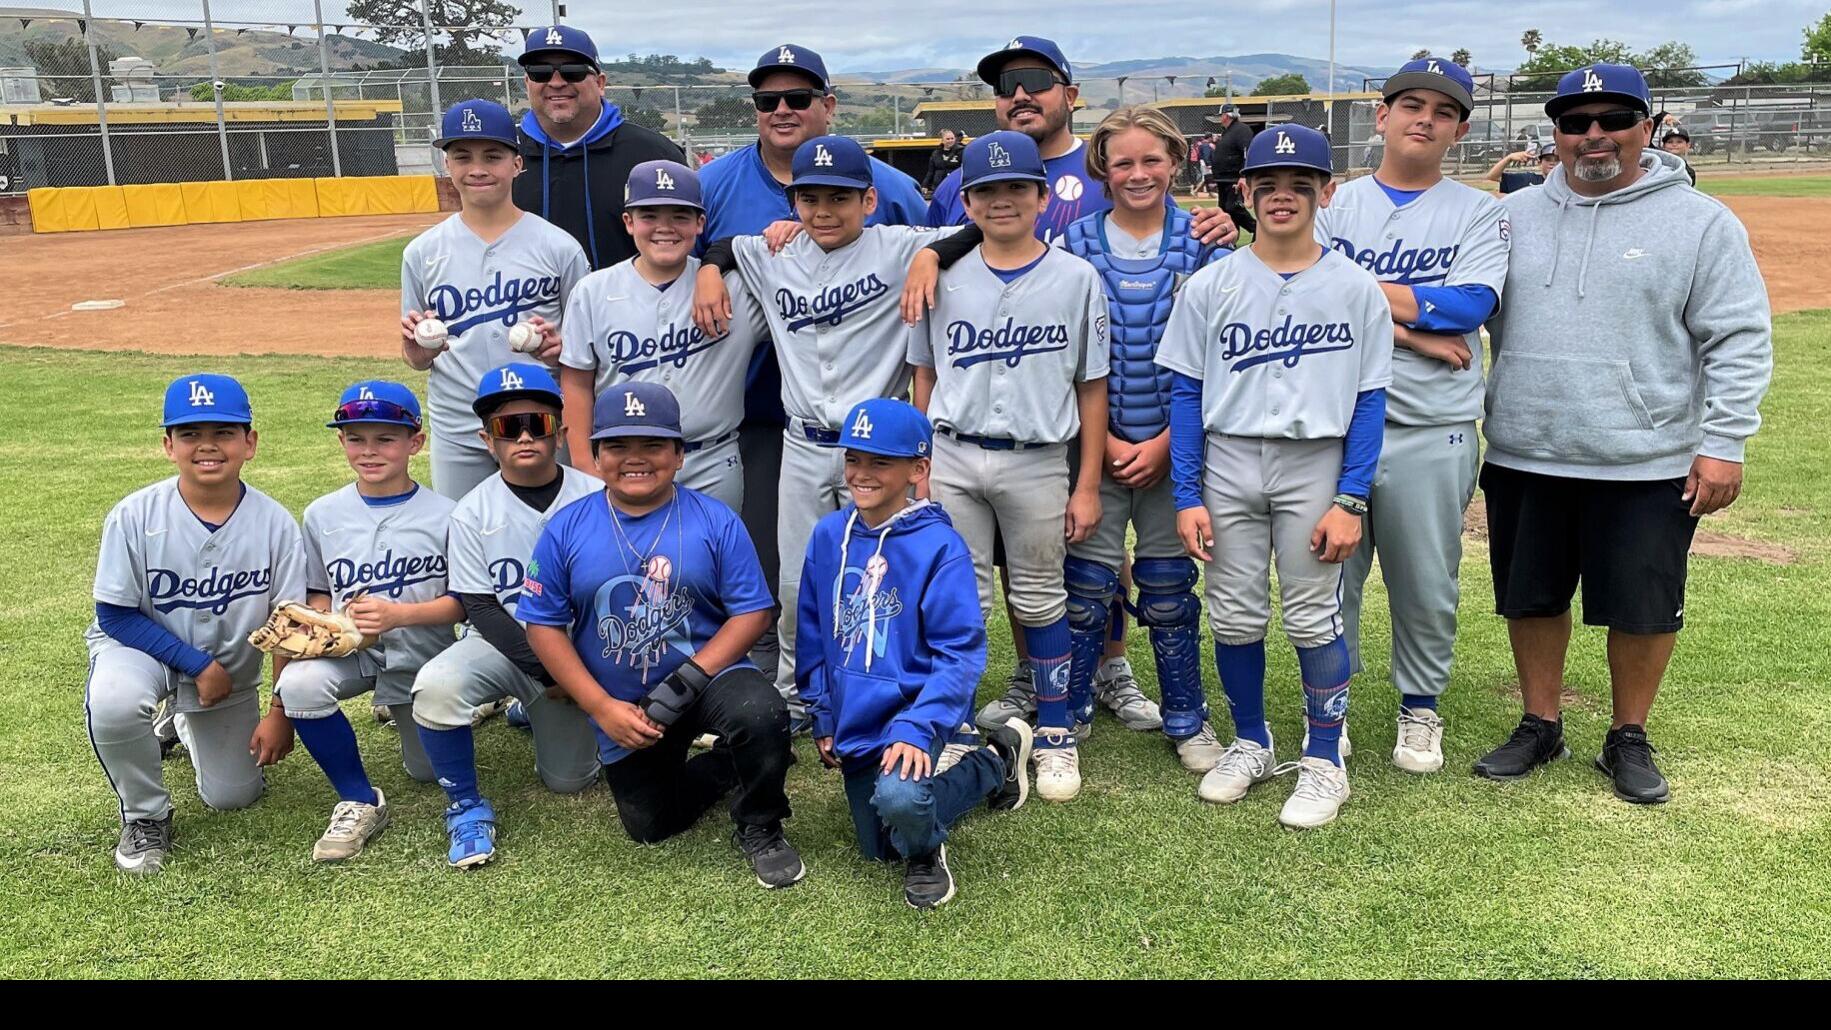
(1049, 664)
(1418, 701)
(453, 754)
(1325, 697)
(1242, 670)
(332, 744)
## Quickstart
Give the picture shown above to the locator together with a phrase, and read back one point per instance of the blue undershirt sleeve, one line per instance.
(133, 628)
(1453, 309)
(1360, 453)
(1187, 439)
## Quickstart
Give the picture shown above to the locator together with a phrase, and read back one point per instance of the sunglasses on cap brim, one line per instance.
(537, 424)
(1611, 121)
(574, 73)
(371, 410)
(766, 100)
(1034, 81)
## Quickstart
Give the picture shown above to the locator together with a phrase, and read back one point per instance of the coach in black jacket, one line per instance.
(1229, 163)
(577, 149)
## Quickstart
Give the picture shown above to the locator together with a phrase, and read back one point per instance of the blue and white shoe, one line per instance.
(517, 716)
(800, 724)
(472, 826)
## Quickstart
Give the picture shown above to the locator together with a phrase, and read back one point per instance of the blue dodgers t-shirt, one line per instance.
(645, 594)
(743, 199)
(1072, 195)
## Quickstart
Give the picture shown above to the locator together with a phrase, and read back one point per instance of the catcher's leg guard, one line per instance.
(1091, 590)
(1168, 608)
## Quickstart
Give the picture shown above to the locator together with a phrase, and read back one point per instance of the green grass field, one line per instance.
(1762, 186)
(366, 266)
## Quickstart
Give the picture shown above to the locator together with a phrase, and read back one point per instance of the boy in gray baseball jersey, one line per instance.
(189, 566)
(376, 551)
(480, 272)
(1010, 364)
(1282, 355)
(1439, 249)
(634, 321)
(832, 300)
(493, 531)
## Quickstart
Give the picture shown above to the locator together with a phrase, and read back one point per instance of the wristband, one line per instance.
(1351, 504)
(671, 698)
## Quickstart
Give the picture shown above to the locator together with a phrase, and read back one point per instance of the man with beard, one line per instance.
(1631, 355)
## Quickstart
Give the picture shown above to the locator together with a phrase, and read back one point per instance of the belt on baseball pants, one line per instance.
(700, 445)
(991, 443)
(813, 433)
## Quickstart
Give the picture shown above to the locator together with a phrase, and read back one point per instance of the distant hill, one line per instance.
(1148, 77)
(175, 51)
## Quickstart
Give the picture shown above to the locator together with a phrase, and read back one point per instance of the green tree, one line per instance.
(1421, 54)
(468, 26)
(1293, 84)
(870, 121)
(1462, 57)
(1552, 60)
(63, 68)
(237, 93)
(647, 117)
(730, 112)
(1817, 48)
(1663, 63)
(1768, 73)
(1531, 41)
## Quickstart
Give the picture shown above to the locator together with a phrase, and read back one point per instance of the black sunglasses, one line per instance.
(798, 99)
(537, 424)
(1611, 121)
(543, 73)
(371, 410)
(1034, 81)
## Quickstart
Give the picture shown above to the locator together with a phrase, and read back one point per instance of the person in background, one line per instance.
(1512, 179)
(1678, 143)
(943, 161)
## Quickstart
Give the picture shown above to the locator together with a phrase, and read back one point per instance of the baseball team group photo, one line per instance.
(1377, 529)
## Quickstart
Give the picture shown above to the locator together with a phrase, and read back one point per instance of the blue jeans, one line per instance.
(899, 818)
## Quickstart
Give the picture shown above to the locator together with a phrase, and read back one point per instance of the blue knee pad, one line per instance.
(1092, 588)
(1167, 606)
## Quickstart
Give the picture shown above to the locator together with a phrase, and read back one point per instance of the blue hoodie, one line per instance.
(897, 663)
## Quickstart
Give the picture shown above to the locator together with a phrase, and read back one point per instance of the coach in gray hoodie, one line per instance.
(1630, 357)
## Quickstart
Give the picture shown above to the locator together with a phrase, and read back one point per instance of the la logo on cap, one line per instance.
(554, 38)
(861, 427)
(663, 181)
(1285, 145)
(785, 56)
(363, 393)
(822, 159)
(633, 406)
(472, 123)
(1016, 44)
(1433, 68)
(510, 381)
(201, 396)
(1592, 83)
(998, 157)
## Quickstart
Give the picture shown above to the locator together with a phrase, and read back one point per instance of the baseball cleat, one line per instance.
(1200, 752)
(489, 710)
(927, 882)
(1117, 689)
(472, 828)
(382, 713)
(143, 846)
(1322, 788)
(1419, 747)
(1058, 764)
(1534, 742)
(1012, 742)
(771, 856)
(1018, 702)
(516, 715)
(1242, 765)
(1627, 760)
(353, 825)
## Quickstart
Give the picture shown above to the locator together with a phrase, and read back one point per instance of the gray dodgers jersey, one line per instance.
(209, 590)
(479, 290)
(493, 533)
(1450, 235)
(396, 553)
(836, 317)
(621, 327)
(1007, 356)
(1280, 359)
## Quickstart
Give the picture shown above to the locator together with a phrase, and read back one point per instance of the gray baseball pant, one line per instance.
(470, 673)
(1264, 497)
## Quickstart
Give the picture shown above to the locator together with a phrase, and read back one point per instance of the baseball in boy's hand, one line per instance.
(523, 338)
(430, 334)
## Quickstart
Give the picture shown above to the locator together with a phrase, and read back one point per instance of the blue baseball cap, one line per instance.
(1433, 73)
(206, 397)
(831, 161)
(1551, 149)
(1001, 155)
(1036, 46)
(478, 120)
(636, 409)
(790, 57)
(521, 381)
(884, 425)
(377, 400)
(1289, 146)
(662, 184)
(563, 39)
(1601, 82)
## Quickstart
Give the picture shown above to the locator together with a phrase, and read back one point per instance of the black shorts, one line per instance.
(1626, 542)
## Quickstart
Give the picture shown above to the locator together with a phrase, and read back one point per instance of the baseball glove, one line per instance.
(300, 631)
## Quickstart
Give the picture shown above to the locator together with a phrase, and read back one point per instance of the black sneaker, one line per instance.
(143, 845)
(1012, 743)
(1535, 742)
(774, 860)
(1627, 759)
(927, 882)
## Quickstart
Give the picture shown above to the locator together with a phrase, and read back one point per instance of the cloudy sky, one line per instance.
(955, 33)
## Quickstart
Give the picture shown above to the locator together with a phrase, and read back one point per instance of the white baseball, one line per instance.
(525, 339)
(660, 569)
(430, 333)
(1068, 187)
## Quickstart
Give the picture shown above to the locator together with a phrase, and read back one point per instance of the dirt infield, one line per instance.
(166, 277)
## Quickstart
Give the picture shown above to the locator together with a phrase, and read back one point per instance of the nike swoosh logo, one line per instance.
(1635, 253)
(954, 287)
(328, 532)
(1230, 289)
(155, 532)
(613, 300)
(493, 532)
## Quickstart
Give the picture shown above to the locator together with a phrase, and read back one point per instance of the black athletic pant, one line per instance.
(1229, 190)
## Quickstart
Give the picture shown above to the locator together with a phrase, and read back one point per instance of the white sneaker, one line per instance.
(705, 741)
(1240, 766)
(1117, 689)
(1322, 788)
(1419, 748)
(1058, 765)
(484, 712)
(1346, 748)
(1200, 752)
(382, 713)
(952, 753)
(353, 824)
